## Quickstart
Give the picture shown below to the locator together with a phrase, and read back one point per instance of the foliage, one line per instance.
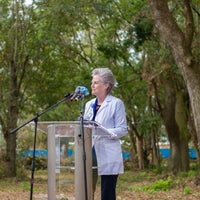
(54, 45)
(40, 162)
(187, 190)
(160, 185)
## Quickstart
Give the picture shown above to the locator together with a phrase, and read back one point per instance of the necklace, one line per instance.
(97, 107)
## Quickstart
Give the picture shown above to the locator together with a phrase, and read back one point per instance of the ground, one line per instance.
(123, 195)
(131, 185)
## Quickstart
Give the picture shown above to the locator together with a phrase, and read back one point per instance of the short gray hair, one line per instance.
(106, 76)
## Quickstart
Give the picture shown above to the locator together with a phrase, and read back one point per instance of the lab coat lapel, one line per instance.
(105, 103)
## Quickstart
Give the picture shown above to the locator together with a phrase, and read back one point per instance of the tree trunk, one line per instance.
(155, 158)
(10, 166)
(194, 138)
(12, 116)
(133, 149)
(10, 170)
(178, 143)
(155, 152)
(184, 155)
(175, 158)
(181, 116)
(180, 45)
(140, 152)
(175, 149)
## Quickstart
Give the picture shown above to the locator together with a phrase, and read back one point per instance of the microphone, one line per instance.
(79, 92)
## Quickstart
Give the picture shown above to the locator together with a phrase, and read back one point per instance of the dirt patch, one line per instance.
(174, 194)
(130, 187)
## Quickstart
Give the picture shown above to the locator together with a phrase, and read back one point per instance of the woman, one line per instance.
(108, 111)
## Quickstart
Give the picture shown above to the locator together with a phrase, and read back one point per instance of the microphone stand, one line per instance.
(84, 152)
(35, 119)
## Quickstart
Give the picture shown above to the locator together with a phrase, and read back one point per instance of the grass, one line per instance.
(146, 184)
(153, 184)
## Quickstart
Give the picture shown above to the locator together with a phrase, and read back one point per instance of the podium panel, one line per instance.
(69, 167)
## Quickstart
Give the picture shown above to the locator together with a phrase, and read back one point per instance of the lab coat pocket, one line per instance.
(113, 151)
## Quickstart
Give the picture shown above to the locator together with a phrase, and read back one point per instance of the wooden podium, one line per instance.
(70, 129)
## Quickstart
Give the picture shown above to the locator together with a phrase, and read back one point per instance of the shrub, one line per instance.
(160, 185)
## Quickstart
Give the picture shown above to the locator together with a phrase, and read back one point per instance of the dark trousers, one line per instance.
(94, 170)
(108, 187)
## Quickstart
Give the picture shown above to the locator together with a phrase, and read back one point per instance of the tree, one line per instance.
(13, 65)
(141, 29)
(172, 114)
(183, 46)
(33, 72)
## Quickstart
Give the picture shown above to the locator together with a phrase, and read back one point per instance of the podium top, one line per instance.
(98, 129)
(44, 125)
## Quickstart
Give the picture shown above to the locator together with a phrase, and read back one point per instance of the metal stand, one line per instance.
(35, 119)
(82, 135)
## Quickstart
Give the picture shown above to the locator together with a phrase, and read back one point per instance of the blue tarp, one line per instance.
(38, 153)
(165, 153)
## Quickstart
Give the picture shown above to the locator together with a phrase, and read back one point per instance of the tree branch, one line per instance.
(189, 23)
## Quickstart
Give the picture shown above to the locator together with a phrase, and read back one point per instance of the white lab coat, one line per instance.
(112, 116)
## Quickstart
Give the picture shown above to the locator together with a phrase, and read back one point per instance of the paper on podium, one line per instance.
(99, 129)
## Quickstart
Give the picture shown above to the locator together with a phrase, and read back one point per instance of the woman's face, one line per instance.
(98, 87)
